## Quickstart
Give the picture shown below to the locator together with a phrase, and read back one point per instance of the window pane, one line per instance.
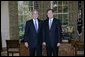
(54, 2)
(30, 8)
(65, 9)
(21, 32)
(25, 10)
(56, 16)
(30, 3)
(59, 2)
(36, 4)
(65, 2)
(55, 9)
(59, 9)
(21, 18)
(65, 16)
(59, 16)
(25, 17)
(25, 2)
(20, 12)
(65, 21)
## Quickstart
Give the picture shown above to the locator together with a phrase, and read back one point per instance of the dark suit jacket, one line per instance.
(52, 36)
(33, 38)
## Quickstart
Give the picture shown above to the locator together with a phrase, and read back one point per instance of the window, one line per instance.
(24, 13)
(61, 11)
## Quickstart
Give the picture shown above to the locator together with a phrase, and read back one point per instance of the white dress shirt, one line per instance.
(50, 22)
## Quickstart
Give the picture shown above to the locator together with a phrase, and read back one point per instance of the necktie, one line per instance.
(36, 25)
(50, 23)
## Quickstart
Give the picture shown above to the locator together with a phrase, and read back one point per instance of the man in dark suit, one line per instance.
(33, 35)
(52, 34)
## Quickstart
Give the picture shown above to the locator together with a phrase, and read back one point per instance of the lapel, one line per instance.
(47, 24)
(32, 25)
(53, 23)
(38, 24)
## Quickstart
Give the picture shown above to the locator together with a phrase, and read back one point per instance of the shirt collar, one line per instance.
(35, 19)
(51, 19)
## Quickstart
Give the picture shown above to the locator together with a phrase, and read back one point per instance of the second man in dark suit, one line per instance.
(52, 33)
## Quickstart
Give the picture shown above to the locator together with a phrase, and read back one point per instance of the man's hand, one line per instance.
(44, 43)
(58, 44)
(26, 44)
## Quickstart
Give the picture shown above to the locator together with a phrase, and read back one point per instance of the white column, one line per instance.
(4, 22)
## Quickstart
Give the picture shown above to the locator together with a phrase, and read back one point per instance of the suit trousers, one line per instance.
(52, 50)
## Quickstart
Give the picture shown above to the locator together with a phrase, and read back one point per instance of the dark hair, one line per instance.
(51, 10)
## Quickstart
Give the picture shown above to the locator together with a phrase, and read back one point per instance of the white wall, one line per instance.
(4, 22)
